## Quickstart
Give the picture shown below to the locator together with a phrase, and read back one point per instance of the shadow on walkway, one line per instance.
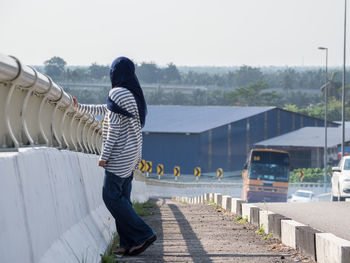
(194, 245)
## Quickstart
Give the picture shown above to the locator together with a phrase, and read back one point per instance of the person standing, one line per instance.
(124, 116)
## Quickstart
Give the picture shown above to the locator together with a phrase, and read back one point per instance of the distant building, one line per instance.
(306, 145)
(213, 137)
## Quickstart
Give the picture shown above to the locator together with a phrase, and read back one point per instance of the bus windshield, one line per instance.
(270, 166)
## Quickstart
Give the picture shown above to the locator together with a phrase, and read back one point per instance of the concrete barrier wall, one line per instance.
(51, 206)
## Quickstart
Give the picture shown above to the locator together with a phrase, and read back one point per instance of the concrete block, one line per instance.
(207, 197)
(236, 206)
(288, 232)
(255, 215)
(265, 220)
(246, 210)
(211, 197)
(226, 202)
(306, 241)
(276, 224)
(332, 249)
(218, 199)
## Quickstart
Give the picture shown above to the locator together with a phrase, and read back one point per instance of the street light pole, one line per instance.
(325, 120)
(343, 89)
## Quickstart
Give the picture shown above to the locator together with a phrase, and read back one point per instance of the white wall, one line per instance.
(51, 207)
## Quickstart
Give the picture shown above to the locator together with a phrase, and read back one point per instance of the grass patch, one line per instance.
(108, 256)
(262, 233)
(237, 218)
(261, 230)
(143, 209)
(268, 236)
(212, 203)
(243, 220)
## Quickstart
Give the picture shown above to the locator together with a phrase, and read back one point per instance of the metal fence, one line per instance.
(35, 111)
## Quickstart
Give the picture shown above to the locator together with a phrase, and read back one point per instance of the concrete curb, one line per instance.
(236, 206)
(265, 220)
(251, 212)
(276, 224)
(306, 241)
(323, 247)
(226, 202)
(218, 199)
(330, 248)
(288, 232)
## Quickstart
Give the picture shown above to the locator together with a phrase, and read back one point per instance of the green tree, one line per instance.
(179, 98)
(171, 74)
(99, 72)
(289, 78)
(76, 75)
(148, 72)
(55, 68)
(217, 97)
(157, 97)
(246, 75)
(252, 95)
(199, 97)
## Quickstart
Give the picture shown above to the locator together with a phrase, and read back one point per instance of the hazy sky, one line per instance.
(185, 32)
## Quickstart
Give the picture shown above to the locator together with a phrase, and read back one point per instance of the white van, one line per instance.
(341, 180)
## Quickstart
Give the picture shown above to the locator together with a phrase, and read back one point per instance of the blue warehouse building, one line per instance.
(213, 137)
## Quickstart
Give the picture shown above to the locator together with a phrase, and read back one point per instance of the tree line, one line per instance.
(288, 79)
(289, 88)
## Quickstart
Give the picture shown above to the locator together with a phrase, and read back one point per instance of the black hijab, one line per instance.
(123, 75)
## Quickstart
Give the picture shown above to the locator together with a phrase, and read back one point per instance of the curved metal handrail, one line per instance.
(33, 105)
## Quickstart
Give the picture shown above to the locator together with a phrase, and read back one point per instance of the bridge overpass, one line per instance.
(50, 191)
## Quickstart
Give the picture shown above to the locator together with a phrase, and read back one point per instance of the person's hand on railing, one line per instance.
(76, 103)
(102, 163)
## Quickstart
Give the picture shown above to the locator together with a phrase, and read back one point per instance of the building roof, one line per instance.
(195, 119)
(308, 137)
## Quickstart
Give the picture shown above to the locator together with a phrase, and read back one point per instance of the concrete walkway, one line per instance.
(201, 233)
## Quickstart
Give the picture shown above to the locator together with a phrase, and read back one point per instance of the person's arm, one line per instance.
(100, 109)
(112, 135)
(93, 109)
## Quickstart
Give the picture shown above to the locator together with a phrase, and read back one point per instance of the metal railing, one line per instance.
(35, 111)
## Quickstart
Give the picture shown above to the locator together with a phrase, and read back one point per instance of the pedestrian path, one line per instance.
(201, 233)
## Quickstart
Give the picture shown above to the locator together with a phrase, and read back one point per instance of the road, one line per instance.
(328, 217)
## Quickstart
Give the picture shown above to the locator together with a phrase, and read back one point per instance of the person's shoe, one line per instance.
(139, 249)
(120, 252)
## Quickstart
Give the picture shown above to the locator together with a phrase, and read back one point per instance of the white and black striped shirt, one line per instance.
(122, 136)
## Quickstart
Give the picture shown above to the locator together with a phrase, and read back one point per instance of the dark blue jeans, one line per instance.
(132, 230)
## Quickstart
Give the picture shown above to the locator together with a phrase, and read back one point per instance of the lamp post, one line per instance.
(325, 120)
(343, 87)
